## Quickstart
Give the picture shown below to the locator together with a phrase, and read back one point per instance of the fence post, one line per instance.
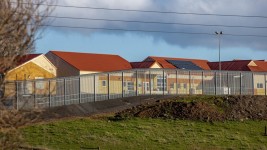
(94, 88)
(49, 91)
(215, 82)
(240, 83)
(228, 83)
(34, 94)
(163, 83)
(252, 80)
(122, 84)
(65, 92)
(177, 82)
(189, 82)
(17, 94)
(79, 84)
(136, 76)
(150, 85)
(202, 82)
(265, 83)
(108, 86)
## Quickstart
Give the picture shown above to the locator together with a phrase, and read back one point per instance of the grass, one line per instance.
(137, 133)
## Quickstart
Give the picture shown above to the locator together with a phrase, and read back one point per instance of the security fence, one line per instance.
(45, 93)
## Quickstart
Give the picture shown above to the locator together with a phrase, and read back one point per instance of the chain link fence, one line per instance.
(45, 93)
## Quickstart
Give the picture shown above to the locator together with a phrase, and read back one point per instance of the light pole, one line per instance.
(220, 65)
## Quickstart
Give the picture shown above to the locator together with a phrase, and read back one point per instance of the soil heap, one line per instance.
(203, 108)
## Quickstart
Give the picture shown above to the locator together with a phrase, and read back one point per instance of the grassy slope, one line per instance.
(147, 134)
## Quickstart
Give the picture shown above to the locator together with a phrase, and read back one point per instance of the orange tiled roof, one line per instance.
(26, 58)
(261, 66)
(163, 62)
(240, 65)
(146, 64)
(18, 61)
(94, 62)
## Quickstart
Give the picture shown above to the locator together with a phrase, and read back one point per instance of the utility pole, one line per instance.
(219, 34)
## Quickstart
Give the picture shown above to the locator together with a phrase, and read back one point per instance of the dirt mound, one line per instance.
(204, 108)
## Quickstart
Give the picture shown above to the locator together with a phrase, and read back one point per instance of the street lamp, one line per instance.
(220, 65)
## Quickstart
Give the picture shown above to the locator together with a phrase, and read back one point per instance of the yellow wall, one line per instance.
(44, 63)
(259, 78)
(29, 71)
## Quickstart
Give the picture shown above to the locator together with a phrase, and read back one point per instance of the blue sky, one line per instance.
(136, 46)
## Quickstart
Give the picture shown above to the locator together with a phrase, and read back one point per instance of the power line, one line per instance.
(152, 31)
(157, 22)
(153, 11)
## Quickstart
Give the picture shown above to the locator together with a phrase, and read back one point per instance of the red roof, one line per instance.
(163, 62)
(26, 58)
(94, 62)
(145, 64)
(240, 65)
(17, 62)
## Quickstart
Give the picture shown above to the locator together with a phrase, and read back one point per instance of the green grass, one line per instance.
(139, 133)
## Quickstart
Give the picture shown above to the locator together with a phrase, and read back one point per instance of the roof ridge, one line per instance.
(177, 58)
(82, 53)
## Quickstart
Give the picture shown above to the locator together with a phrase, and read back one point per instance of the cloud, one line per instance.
(239, 7)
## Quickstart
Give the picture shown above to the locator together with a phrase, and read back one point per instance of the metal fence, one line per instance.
(46, 93)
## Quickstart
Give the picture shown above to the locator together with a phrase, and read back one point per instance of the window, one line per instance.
(179, 85)
(129, 85)
(104, 83)
(161, 82)
(259, 85)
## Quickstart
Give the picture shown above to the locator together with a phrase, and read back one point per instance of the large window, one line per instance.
(160, 82)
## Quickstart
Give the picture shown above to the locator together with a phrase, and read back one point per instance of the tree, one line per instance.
(20, 23)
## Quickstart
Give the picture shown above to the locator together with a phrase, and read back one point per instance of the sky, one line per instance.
(136, 46)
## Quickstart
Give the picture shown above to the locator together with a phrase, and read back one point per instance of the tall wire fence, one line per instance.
(46, 93)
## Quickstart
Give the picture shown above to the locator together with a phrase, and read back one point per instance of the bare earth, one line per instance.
(203, 108)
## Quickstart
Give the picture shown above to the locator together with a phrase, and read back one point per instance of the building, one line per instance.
(75, 64)
(29, 67)
(180, 63)
(240, 65)
(166, 81)
(258, 67)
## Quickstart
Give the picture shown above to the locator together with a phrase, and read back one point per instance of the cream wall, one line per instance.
(43, 62)
(155, 65)
(88, 72)
(64, 69)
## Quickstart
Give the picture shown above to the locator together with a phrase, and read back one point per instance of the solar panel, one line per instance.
(188, 65)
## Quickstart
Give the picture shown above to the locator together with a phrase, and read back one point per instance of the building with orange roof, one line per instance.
(29, 67)
(74, 63)
(170, 76)
(240, 65)
(165, 62)
(256, 66)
